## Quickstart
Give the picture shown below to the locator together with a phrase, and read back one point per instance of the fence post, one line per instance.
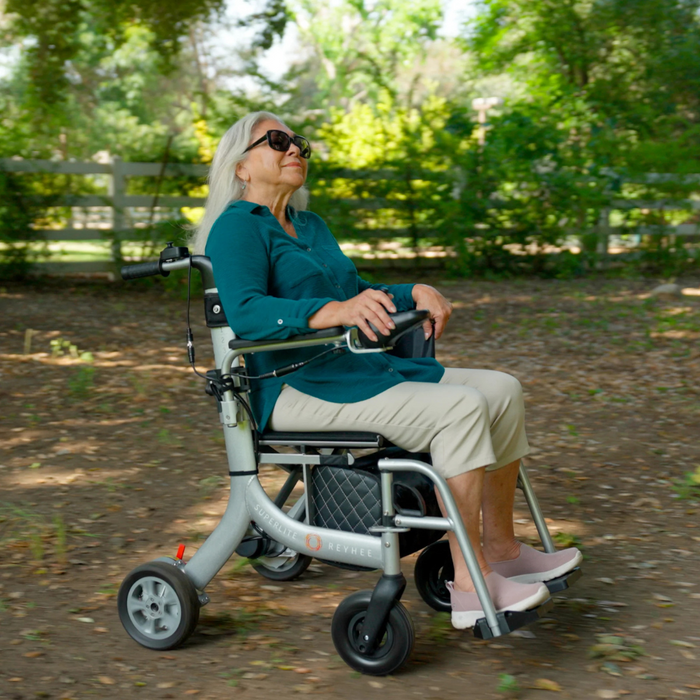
(603, 231)
(117, 192)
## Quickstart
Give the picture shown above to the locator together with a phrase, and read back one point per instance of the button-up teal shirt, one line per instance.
(270, 283)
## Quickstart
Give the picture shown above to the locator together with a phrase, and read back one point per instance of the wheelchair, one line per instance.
(362, 513)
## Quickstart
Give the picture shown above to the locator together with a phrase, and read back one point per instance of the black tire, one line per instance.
(395, 647)
(286, 571)
(171, 616)
(433, 569)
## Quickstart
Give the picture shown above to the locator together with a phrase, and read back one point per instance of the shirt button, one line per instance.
(309, 250)
(324, 265)
(280, 321)
(337, 285)
(391, 369)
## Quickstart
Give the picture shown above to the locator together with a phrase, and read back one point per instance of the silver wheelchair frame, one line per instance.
(159, 602)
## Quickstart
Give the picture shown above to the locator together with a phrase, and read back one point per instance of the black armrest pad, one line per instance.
(239, 343)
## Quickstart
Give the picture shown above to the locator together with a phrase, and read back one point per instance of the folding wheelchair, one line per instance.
(363, 512)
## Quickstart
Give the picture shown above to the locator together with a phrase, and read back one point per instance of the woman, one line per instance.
(280, 273)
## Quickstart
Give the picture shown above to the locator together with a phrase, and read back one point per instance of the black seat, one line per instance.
(324, 439)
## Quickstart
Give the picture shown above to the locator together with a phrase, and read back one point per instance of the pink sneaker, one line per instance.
(533, 566)
(506, 595)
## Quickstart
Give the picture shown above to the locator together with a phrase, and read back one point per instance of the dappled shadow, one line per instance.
(111, 460)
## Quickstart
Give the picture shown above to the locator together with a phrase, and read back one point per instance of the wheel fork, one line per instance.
(388, 591)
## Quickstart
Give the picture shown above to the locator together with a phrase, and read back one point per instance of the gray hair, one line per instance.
(224, 185)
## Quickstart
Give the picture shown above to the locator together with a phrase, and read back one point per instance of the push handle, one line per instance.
(146, 269)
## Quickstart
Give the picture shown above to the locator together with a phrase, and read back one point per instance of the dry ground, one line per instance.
(109, 460)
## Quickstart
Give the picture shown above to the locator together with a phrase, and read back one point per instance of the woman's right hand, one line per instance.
(371, 306)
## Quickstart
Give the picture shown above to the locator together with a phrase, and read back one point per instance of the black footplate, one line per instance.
(556, 585)
(510, 620)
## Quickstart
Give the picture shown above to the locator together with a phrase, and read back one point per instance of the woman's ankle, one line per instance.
(464, 581)
(505, 550)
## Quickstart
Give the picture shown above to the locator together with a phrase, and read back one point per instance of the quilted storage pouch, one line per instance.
(351, 500)
(346, 499)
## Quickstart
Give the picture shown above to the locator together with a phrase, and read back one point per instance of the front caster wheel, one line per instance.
(158, 605)
(392, 651)
(433, 569)
(285, 567)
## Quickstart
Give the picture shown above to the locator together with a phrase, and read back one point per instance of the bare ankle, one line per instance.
(464, 582)
(502, 551)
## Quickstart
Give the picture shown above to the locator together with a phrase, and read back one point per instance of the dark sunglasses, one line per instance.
(280, 140)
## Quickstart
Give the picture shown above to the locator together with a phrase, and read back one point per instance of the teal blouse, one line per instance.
(271, 283)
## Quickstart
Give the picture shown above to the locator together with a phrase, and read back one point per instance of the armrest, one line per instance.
(241, 343)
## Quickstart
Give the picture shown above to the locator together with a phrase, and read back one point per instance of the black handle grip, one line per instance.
(146, 269)
(404, 322)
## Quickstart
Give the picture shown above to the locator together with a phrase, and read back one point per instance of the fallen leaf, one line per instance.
(106, 680)
(546, 684)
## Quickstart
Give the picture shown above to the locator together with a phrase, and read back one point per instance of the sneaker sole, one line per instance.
(542, 576)
(464, 619)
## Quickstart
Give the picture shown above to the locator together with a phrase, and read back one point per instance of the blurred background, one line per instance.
(492, 138)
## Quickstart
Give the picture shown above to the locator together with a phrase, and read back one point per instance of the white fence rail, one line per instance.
(119, 203)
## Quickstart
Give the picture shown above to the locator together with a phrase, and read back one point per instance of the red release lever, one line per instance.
(180, 552)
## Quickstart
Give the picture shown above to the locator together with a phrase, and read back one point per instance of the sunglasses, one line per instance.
(280, 140)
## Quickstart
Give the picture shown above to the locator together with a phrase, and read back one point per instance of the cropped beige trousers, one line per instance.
(473, 418)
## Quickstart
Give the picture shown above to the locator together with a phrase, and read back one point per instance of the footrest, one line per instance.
(556, 585)
(509, 620)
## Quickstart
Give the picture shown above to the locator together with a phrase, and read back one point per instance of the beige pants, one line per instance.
(473, 418)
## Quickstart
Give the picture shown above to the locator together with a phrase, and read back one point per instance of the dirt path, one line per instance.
(111, 460)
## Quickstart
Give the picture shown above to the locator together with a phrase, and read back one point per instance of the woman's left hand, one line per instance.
(440, 309)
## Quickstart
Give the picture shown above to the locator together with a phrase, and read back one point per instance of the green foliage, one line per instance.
(54, 32)
(689, 486)
(406, 170)
(596, 94)
(507, 684)
(80, 385)
(18, 211)
(636, 66)
(365, 48)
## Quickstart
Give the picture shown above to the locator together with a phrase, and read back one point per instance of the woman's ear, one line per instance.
(242, 173)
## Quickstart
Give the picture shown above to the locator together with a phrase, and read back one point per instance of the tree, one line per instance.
(53, 31)
(362, 49)
(636, 65)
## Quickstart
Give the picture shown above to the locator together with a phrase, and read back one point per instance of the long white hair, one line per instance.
(224, 186)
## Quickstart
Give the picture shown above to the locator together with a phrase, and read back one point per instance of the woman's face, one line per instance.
(267, 169)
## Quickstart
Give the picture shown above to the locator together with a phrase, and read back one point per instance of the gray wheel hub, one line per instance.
(154, 608)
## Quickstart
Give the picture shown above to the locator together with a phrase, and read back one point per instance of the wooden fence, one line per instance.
(118, 202)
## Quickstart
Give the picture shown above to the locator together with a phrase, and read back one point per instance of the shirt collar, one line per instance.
(261, 209)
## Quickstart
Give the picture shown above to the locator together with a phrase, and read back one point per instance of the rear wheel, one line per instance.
(433, 569)
(285, 567)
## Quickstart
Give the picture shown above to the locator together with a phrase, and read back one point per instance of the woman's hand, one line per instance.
(440, 309)
(371, 306)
